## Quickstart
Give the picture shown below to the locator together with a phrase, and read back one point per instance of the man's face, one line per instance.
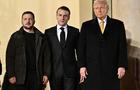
(28, 21)
(100, 10)
(62, 17)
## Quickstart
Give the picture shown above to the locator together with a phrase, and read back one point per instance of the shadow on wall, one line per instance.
(131, 81)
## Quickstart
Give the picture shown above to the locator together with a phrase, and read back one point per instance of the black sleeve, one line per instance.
(10, 57)
(45, 56)
(123, 59)
(82, 47)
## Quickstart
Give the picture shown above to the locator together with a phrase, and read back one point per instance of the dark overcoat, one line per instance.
(16, 64)
(102, 54)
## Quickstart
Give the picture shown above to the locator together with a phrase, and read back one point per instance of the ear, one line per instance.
(34, 22)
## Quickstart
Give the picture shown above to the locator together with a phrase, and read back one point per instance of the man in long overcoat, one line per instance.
(102, 51)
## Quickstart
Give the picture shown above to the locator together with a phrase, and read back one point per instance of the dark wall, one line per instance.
(131, 81)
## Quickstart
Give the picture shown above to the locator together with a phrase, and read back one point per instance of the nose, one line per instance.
(99, 9)
(62, 17)
(28, 20)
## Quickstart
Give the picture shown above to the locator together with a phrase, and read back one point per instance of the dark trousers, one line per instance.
(63, 83)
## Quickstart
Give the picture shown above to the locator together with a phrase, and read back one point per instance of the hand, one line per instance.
(45, 79)
(83, 74)
(12, 80)
(121, 72)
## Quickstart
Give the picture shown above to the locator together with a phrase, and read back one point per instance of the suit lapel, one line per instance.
(69, 35)
(54, 37)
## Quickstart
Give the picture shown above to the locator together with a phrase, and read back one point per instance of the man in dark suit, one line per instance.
(23, 69)
(62, 64)
(102, 51)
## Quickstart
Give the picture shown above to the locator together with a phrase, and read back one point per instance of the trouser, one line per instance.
(63, 83)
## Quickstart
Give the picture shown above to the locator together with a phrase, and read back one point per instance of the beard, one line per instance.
(28, 27)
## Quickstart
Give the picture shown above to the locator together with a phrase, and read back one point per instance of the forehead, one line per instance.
(27, 16)
(96, 4)
(61, 11)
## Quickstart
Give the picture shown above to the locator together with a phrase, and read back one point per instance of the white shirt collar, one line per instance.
(59, 31)
(58, 26)
(105, 20)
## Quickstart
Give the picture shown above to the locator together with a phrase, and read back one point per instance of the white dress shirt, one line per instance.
(105, 21)
(59, 31)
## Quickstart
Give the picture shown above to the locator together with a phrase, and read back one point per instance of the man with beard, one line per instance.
(23, 68)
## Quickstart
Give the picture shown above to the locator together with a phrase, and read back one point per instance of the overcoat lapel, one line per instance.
(108, 27)
(97, 27)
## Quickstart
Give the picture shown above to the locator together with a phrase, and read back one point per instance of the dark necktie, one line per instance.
(62, 37)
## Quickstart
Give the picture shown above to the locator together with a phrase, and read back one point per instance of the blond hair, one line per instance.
(101, 2)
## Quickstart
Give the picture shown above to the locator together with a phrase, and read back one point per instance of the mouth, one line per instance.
(28, 24)
(62, 21)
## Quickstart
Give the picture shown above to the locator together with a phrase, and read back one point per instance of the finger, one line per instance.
(81, 80)
(122, 74)
(81, 77)
(86, 73)
(44, 81)
(85, 77)
(119, 77)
